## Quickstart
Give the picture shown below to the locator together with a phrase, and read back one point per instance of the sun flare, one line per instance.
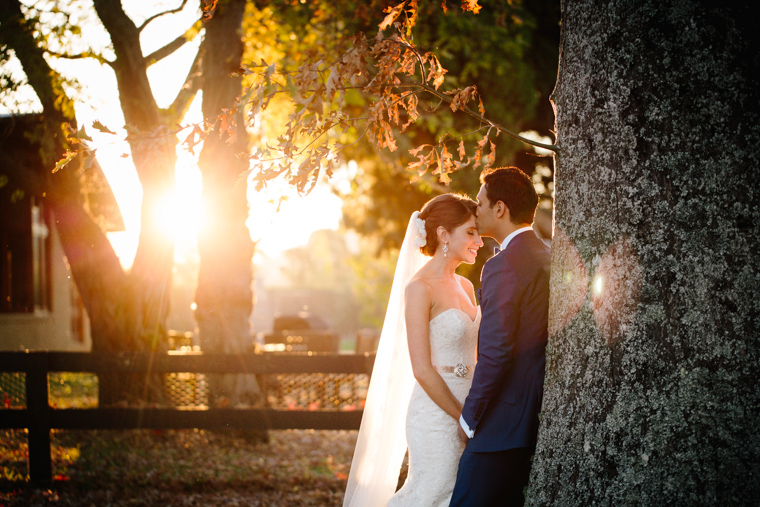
(178, 215)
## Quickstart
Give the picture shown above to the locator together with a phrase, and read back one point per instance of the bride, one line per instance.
(429, 335)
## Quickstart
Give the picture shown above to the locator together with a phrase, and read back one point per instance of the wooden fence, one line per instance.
(39, 417)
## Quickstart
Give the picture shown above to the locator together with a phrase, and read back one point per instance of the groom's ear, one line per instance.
(501, 210)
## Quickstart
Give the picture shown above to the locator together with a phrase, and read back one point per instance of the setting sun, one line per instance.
(179, 214)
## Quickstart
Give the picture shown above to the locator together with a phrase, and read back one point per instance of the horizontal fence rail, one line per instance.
(39, 417)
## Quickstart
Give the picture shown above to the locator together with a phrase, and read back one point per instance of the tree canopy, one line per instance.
(365, 97)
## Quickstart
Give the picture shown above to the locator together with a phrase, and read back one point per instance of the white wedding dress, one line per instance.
(431, 434)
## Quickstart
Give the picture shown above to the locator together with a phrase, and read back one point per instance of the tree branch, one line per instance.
(79, 56)
(478, 116)
(156, 16)
(174, 45)
(469, 111)
(18, 33)
(179, 107)
(135, 94)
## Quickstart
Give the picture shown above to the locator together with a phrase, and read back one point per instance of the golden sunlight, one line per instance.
(279, 225)
(275, 227)
(179, 214)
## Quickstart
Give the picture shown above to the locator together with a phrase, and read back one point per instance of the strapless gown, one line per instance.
(431, 434)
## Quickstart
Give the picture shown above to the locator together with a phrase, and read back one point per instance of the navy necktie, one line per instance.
(496, 250)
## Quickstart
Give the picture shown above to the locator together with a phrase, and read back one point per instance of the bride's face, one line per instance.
(465, 241)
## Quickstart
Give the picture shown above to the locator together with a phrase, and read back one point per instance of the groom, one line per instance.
(499, 420)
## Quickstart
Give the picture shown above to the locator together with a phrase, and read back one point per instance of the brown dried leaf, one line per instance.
(393, 13)
(411, 17)
(471, 5)
(194, 138)
(446, 159)
(390, 139)
(437, 72)
(463, 97)
(393, 114)
(102, 128)
(333, 82)
(416, 151)
(491, 157)
(228, 126)
(411, 110)
(424, 160)
(67, 157)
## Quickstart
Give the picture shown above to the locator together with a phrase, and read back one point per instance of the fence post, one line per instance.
(38, 408)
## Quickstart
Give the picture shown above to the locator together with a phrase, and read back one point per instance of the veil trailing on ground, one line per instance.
(381, 444)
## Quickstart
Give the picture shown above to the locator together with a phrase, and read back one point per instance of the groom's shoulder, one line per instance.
(528, 244)
(501, 262)
(529, 251)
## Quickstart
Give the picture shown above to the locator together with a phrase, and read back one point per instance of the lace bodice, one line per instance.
(454, 338)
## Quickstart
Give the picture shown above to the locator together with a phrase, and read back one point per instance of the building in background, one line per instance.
(40, 308)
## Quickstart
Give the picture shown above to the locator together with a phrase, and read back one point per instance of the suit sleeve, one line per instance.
(500, 317)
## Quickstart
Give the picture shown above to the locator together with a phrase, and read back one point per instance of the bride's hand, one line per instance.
(462, 435)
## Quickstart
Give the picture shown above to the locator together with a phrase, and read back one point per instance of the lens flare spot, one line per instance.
(598, 285)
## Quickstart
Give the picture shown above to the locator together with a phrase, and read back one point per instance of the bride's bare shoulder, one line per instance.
(418, 286)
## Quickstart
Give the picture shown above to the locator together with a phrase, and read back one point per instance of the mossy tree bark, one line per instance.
(651, 395)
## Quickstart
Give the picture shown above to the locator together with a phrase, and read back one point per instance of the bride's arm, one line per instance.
(418, 301)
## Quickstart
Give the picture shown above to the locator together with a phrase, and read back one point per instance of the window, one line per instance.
(24, 253)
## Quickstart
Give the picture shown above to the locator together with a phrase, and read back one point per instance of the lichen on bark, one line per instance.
(650, 395)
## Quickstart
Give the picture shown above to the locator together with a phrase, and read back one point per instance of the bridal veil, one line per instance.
(381, 444)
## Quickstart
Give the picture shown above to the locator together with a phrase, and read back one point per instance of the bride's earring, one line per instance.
(445, 249)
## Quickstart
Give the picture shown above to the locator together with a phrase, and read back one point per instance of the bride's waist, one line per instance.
(458, 370)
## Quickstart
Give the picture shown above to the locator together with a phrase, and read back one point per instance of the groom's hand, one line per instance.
(462, 435)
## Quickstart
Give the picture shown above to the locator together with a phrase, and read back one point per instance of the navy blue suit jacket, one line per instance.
(507, 387)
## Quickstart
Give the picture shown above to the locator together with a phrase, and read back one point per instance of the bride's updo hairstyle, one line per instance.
(448, 211)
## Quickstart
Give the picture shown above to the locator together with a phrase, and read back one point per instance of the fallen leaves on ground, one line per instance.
(182, 468)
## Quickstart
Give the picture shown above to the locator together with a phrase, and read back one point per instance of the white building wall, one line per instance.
(48, 329)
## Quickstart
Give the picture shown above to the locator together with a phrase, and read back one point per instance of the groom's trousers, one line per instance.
(492, 479)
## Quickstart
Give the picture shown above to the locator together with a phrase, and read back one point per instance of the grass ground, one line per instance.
(181, 468)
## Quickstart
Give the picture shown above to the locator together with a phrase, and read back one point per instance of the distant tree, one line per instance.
(224, 296)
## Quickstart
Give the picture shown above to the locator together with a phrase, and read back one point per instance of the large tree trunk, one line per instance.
(153, 150)
(651, 394)
(154, 155)
(224, 296)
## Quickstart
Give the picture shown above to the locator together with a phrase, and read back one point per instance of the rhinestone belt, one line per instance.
(459, 370)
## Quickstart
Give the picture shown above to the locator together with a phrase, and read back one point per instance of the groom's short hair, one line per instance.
(515, 189)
